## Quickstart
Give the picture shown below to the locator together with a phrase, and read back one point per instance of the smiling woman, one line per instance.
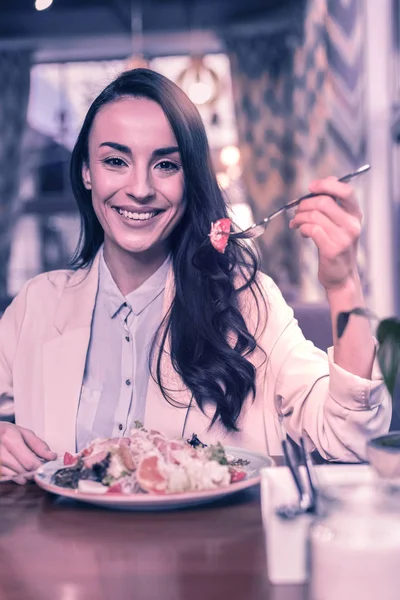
(152, 324)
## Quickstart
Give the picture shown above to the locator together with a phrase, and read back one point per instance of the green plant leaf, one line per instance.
(388, 335)
(343, 318)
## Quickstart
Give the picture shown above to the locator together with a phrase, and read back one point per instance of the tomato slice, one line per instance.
(70, 459)
(115, 488)
(150, 477)
(237, 475)
(219, 234)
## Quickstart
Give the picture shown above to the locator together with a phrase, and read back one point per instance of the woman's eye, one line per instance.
(115, 162)
(167, 165)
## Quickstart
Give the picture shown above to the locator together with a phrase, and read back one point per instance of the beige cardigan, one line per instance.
(44, 336)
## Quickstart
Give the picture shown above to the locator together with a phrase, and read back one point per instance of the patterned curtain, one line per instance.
(312, 98)
(14, 95)
(292, 101)
(345, 50)
(341, 113)
(347, 121)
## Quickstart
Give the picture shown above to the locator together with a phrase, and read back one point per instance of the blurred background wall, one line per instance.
(289, 90)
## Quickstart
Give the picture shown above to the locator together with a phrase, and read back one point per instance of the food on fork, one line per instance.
(219, 234)
(147, 462)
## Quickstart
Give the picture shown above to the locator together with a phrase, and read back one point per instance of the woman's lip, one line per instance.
(142, 210)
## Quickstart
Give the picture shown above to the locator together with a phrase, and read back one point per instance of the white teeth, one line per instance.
(136, 216)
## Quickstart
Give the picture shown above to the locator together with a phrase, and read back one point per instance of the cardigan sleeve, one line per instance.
(335, 410)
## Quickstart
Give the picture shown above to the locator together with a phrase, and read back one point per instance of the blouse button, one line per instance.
(120, 427)
(127, 338)
(128, 382)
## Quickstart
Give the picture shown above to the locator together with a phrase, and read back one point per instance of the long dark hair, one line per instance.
(209, 339)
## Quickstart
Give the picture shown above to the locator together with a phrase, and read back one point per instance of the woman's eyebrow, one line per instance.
(119, 147)
(164, 151)
(155, 154)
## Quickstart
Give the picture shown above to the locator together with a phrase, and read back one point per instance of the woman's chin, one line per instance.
(141, 244)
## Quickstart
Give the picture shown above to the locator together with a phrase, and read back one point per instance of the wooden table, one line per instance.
(55, 549)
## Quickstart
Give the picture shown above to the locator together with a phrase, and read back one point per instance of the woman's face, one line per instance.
(135, 175)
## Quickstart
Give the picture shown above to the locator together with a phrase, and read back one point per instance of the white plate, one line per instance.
(157, 502)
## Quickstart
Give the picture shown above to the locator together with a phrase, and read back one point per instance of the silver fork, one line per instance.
(258, 229)
(307, 502)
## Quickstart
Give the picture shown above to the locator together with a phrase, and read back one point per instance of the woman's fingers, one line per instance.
(337, 189)
(21, 451)
(9, 460)
(332, 219)
(39, 447)
(337, 214)
(6, 473)
(13, 445)
(320, 237)
(314, 221)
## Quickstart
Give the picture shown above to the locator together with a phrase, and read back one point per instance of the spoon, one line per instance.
(258, 229)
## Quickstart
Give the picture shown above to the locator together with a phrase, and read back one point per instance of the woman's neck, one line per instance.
(130, 270)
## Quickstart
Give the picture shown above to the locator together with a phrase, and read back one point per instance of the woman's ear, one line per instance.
(87, 182)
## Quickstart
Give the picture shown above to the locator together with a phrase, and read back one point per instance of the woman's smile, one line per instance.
(135, 217)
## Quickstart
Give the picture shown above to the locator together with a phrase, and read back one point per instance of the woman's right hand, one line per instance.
(20, 451)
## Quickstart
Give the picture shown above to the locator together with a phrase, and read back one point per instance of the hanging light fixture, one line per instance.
(200, 82)
(137, 59)
(43, 4)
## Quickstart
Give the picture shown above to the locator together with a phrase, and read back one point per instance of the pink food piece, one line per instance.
(174, 449)
(115, 488)
(93, 459)
(237, 474)
(219, 234)
(161, 444)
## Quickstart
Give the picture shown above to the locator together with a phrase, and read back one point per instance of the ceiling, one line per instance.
(85, 29)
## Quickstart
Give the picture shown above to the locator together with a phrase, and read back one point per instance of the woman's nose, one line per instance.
(140, 185)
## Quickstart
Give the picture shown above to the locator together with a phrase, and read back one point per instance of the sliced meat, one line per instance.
(127, 458)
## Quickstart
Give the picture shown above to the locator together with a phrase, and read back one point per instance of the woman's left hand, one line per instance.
(335, 229)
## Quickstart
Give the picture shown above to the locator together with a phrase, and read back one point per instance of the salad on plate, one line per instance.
(147, 462)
